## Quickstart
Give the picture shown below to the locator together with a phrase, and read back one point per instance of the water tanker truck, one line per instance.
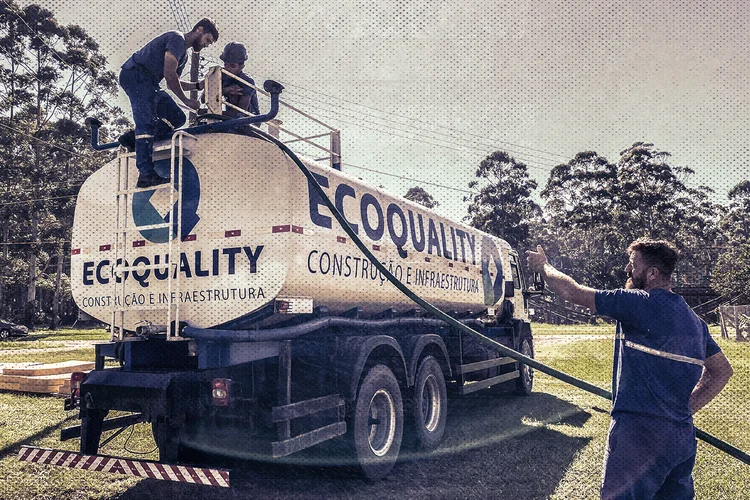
(246, 323)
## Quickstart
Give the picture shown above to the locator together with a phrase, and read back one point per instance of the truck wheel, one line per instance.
(428, 409)
(378, 424)
(525, 381)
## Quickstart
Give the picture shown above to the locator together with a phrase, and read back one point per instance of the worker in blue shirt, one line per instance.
(155, 113)
(666, 367)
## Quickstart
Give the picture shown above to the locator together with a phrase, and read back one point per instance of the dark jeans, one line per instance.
(155, 114)
(648, 458)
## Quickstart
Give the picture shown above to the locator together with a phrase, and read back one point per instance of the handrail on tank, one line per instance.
(273, 88)
(215, 101)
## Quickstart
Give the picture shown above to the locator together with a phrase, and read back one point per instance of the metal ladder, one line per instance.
(121, 266)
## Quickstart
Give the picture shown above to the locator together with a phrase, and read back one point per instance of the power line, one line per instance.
(37, 199)
(75, 183)
(32, 242)
(450, 136)
(423, 122)
(421, 141)
(411, 179)
(40, 140)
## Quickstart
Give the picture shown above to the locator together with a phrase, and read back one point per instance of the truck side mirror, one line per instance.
(510, 291)
(537, 286)
(538, 283)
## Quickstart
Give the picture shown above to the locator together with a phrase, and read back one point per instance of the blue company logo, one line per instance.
(491, 263)
(152, 207)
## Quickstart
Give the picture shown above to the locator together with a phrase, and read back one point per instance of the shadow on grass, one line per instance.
(495, 445)
(13, 448)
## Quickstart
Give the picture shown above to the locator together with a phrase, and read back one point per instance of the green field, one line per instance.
(548, 445)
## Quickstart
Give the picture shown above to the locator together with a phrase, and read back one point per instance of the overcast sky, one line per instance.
(541, 79)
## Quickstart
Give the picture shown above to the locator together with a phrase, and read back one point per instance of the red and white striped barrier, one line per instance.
(137, 468)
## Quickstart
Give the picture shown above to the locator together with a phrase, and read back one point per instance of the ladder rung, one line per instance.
(160, 152)
(140, 190)
(144, 228)
(157, 149)
(124, 269)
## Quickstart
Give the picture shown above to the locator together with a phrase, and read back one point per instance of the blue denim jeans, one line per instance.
(155, 114)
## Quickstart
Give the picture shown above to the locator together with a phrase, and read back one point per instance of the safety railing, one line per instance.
(216, 105)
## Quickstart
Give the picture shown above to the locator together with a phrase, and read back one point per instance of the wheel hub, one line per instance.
(382, 422)
(431, 403)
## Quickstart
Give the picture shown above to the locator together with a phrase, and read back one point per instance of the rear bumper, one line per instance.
(137, 468)
(151, 394)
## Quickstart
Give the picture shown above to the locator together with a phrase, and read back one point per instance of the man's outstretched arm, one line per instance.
(560, 283)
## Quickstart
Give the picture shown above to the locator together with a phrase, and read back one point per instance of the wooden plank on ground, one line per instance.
(38, 369)
(46, 384)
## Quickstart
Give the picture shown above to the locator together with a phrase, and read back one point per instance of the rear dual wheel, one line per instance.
(428, 410)
(378, 422)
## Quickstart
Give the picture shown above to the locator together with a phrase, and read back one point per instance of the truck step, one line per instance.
(487, 383)
(308, 439)
(160, 150)
(304, 408)
(132, 229)
(142, 190)
(482, 365)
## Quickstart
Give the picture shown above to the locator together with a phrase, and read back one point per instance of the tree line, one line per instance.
(52, 77)
(593, 209)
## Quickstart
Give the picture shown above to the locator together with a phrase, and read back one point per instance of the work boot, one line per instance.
(151, 179)
(127, 140)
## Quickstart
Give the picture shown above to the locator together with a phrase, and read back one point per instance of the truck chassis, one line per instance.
(370, 384)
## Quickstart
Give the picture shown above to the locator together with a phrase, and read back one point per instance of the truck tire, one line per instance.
(525, 381)
(428, 408)
(378, 422)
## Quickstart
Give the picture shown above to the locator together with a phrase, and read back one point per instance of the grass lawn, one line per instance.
(717, 475)
(548, 445)
(41, 339)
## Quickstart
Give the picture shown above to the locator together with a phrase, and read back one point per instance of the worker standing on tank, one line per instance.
(666, 367)
(155, 113)
(237, 93)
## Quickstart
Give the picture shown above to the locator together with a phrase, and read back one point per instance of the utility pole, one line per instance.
(195, 59)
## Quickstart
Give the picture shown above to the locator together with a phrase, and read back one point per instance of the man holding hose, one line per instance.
(666, 367)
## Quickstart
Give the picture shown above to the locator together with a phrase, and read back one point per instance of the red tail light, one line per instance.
(75, 389)
(75, 380)
(220, 391)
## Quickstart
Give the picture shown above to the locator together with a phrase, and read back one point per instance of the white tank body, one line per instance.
(255, 232)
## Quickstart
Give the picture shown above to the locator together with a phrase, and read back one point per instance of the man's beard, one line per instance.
(634, 283)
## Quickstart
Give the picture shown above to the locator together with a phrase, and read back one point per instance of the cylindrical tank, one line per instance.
(257, 243)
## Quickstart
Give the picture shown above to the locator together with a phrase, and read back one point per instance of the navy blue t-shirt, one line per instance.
(247, 90)
(659, 351)
(150, 59)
